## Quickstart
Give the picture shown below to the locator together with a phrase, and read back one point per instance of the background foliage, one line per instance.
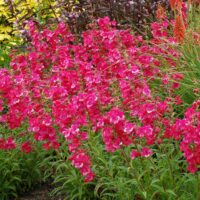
(77, 13)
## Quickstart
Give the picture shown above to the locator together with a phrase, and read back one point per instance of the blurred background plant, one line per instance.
(77, 13)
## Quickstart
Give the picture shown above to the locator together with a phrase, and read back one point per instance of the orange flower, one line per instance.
(172, 4)
(160, 12)
(179, 5)
(175, 4)
(179, 29)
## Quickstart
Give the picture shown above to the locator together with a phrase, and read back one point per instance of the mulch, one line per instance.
(42, 192)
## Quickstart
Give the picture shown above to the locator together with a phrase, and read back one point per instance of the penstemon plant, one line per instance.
(112, 97)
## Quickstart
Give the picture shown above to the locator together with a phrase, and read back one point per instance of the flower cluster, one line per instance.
(7, 144)
(187, 130)
(100, 85)
(145, 152)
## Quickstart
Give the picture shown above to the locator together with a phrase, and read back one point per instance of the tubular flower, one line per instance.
(179, 29)
(172, 4)
(175, 4)
(100, 84)
(179, 5)
(160, 13)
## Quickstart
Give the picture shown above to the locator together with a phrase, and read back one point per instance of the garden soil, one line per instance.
(40, 193)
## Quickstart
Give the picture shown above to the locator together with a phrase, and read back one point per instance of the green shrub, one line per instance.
(19, 171)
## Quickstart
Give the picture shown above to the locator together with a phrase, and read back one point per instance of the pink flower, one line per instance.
(146, 152)
(134, 154)
(46, 146)
(129, 127)
(89, 177)
(26, 147)
(2, 143)
(192, 168)
(101, 84)
(1, 105)
(9, 144)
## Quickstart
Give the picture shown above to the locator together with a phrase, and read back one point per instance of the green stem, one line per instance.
(198, 185)
(135, 174)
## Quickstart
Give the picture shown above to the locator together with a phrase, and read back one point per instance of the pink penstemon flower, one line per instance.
(100, 85)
